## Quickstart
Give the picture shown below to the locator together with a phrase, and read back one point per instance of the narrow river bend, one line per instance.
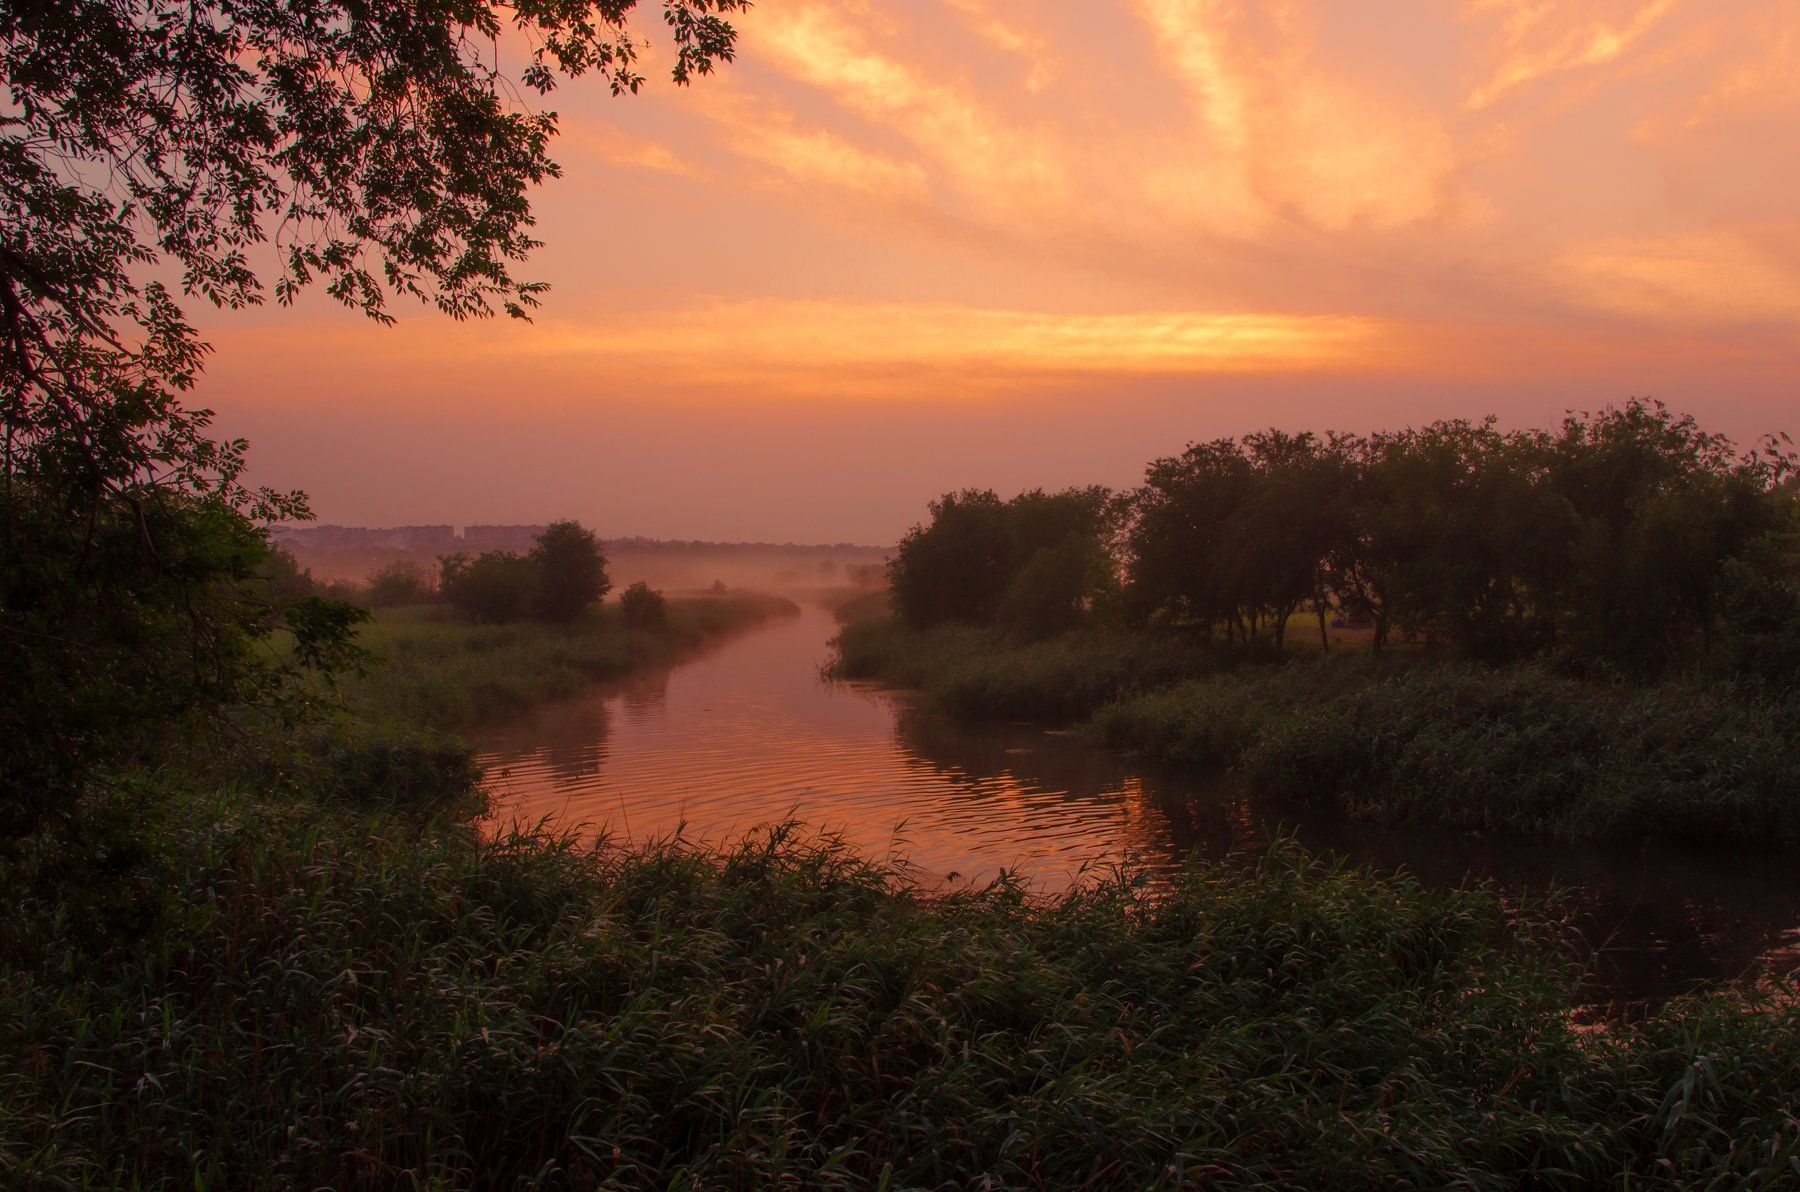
(749, 732)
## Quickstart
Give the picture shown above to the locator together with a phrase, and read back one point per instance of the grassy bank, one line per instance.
(1461, 745)
(332, 996)
(437, 673)
(971, 672)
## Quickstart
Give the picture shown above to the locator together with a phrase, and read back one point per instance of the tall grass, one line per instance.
(1457, 744)
(973, 672)
(1473, 748)
(345, 998)
(436, 673)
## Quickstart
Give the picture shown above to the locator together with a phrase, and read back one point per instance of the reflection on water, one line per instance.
(749, 733)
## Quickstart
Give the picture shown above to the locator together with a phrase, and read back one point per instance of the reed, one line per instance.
(1459, 744)
(436, 673)
(340, 997)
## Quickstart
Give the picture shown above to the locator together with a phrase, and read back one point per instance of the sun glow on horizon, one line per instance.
(882, 208)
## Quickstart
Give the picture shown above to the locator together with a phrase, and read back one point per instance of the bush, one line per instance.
(644, 607)
(400, 582)
(495, 587)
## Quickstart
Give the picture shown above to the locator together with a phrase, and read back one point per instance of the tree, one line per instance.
(955, 567)
(495, 587)
(569, 571)
(961, 565)
(643, 607)
(1053, 591)
(151, 149)
(1665, 513)
(400, 582)
(1179, 540)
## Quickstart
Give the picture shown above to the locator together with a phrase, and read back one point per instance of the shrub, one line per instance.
(494, 587)
(400, 582)
(644, 607)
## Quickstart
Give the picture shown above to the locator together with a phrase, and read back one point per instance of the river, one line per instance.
(748, 732)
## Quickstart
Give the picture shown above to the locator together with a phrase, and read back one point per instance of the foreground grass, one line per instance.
(1459, 745)
(335, 997)
(439, 674)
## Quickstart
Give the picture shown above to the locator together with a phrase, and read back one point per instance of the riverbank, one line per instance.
(327, 995)
(1453, 744)
(337, 980)
(440, 674)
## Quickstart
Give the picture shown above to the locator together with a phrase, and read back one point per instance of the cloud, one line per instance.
(989, 157)
(1309, 143)
(1010, 37)
(838, 349)
(607, 143)
(772, 135)
(1699, 279)
(1539, 38)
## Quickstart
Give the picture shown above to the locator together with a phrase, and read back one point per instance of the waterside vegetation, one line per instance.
(338, 996)
(1587, 632)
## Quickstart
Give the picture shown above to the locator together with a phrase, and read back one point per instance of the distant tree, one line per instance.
(494, 587)
(285, 578)
(400, 582)
(1465, 540)
(570, 571)
(643, 607)
(959, 566)
(1281, 539)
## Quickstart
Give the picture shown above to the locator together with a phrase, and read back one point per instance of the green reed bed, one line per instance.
(1475, 748)
(339, 998)
(442, 674)
(971, 671)
(1457, 744)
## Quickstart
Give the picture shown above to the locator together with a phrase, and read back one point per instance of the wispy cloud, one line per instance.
(1309, 142)
(1540, 39)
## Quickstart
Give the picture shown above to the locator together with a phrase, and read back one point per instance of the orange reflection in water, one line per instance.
(750, 733)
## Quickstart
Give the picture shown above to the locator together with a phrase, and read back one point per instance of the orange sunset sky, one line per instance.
(904, 247)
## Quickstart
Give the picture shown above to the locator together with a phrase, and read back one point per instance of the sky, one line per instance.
(896, 249)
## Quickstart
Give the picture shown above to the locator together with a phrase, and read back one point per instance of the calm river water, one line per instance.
(749, 732)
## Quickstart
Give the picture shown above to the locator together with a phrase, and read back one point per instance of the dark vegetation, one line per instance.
(1589, 632)
(1628, 542)
(355, 998)
(443, 673)
(250, 941)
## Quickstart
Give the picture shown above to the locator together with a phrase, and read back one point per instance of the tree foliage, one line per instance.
(559, 579)
(1617, 539)
(569, 571)
(965, 564)
(643, 607)
(1626, 540)
(226, 149)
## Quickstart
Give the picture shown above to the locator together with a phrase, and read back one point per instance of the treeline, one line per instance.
(557, 580)
(1627, 539)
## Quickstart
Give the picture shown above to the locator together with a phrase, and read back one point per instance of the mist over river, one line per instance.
(750, 732)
